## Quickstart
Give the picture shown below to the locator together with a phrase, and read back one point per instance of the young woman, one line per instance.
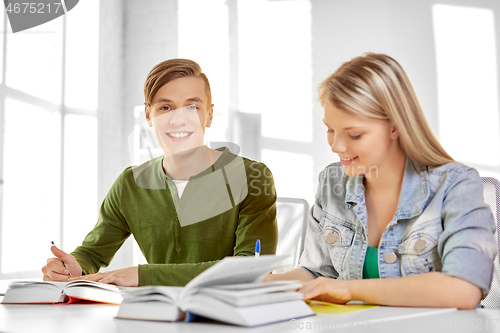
(397, 221)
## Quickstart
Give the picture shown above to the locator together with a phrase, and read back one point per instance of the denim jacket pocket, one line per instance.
(418, 252)
(338, 236)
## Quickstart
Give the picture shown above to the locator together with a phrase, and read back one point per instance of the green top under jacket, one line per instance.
(222, 212)
(370, 266)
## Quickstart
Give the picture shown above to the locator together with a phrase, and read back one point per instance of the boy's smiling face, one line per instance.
(179, 114)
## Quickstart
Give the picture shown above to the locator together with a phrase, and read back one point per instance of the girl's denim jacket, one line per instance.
(441, 224)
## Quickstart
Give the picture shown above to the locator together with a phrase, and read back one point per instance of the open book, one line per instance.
(229, 291)
(61, 292)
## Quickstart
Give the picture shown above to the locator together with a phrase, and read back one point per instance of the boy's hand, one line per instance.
(125, 277)
(54, 270)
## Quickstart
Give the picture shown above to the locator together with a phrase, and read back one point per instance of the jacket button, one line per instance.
(331, 238)
(420, 245)
(390, 258)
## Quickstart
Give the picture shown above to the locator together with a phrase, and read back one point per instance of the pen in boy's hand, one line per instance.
(257, 248)
(69, 274)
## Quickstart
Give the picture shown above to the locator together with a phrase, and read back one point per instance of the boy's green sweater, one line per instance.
(143, 202)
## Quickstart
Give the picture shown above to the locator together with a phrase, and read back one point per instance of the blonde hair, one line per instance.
(169, 70)
(376, 86)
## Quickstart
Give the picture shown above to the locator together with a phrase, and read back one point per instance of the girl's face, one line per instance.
(363, 144)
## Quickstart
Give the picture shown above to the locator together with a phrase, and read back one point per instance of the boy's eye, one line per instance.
(165, 108)
(192, 107)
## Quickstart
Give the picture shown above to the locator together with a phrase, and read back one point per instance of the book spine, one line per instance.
(193, 317)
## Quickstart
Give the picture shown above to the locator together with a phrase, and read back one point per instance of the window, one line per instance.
(275, 80)
(468, 85)
(48, 110)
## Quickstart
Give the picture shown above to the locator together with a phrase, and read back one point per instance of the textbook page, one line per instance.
(234, 270)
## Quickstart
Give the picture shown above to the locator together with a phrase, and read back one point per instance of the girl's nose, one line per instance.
(338, 146)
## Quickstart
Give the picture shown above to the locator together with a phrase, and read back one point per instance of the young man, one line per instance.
(186, 209)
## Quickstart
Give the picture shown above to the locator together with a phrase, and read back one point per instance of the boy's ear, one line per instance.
(210, 115)
(148, 115)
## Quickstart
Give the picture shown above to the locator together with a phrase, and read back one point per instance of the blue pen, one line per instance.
(257, 248)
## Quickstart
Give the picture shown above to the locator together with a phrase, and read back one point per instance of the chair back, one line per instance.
(491, 196)
(292, 219)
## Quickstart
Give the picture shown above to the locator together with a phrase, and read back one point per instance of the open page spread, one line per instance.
(61, 292)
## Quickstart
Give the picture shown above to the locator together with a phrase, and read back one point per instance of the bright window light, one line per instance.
(34, 60)
(80, 178)
(297, 181)
(467, 83)
(82, 55)
(31, 189)
(275, 74)
(32, 154)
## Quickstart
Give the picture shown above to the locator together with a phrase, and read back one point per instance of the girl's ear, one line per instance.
(394, 132)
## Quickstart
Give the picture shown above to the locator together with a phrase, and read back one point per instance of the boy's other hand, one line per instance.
(125, 277)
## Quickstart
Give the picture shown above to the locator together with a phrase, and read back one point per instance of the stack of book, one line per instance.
(229, 292)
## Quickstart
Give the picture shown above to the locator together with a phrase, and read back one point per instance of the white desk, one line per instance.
(100, 318)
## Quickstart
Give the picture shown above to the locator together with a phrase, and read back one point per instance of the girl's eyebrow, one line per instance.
(347, 128)
(352, 127)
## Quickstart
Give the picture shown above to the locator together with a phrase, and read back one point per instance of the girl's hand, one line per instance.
(326, 290)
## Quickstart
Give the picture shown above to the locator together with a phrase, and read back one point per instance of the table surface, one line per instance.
(98, 318)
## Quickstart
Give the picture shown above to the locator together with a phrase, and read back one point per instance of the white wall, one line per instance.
(111, 147)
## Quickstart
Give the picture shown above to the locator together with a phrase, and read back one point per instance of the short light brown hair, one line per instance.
(376, 86)
(169, 70)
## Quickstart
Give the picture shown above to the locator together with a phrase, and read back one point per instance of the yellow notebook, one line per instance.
(325, 307)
